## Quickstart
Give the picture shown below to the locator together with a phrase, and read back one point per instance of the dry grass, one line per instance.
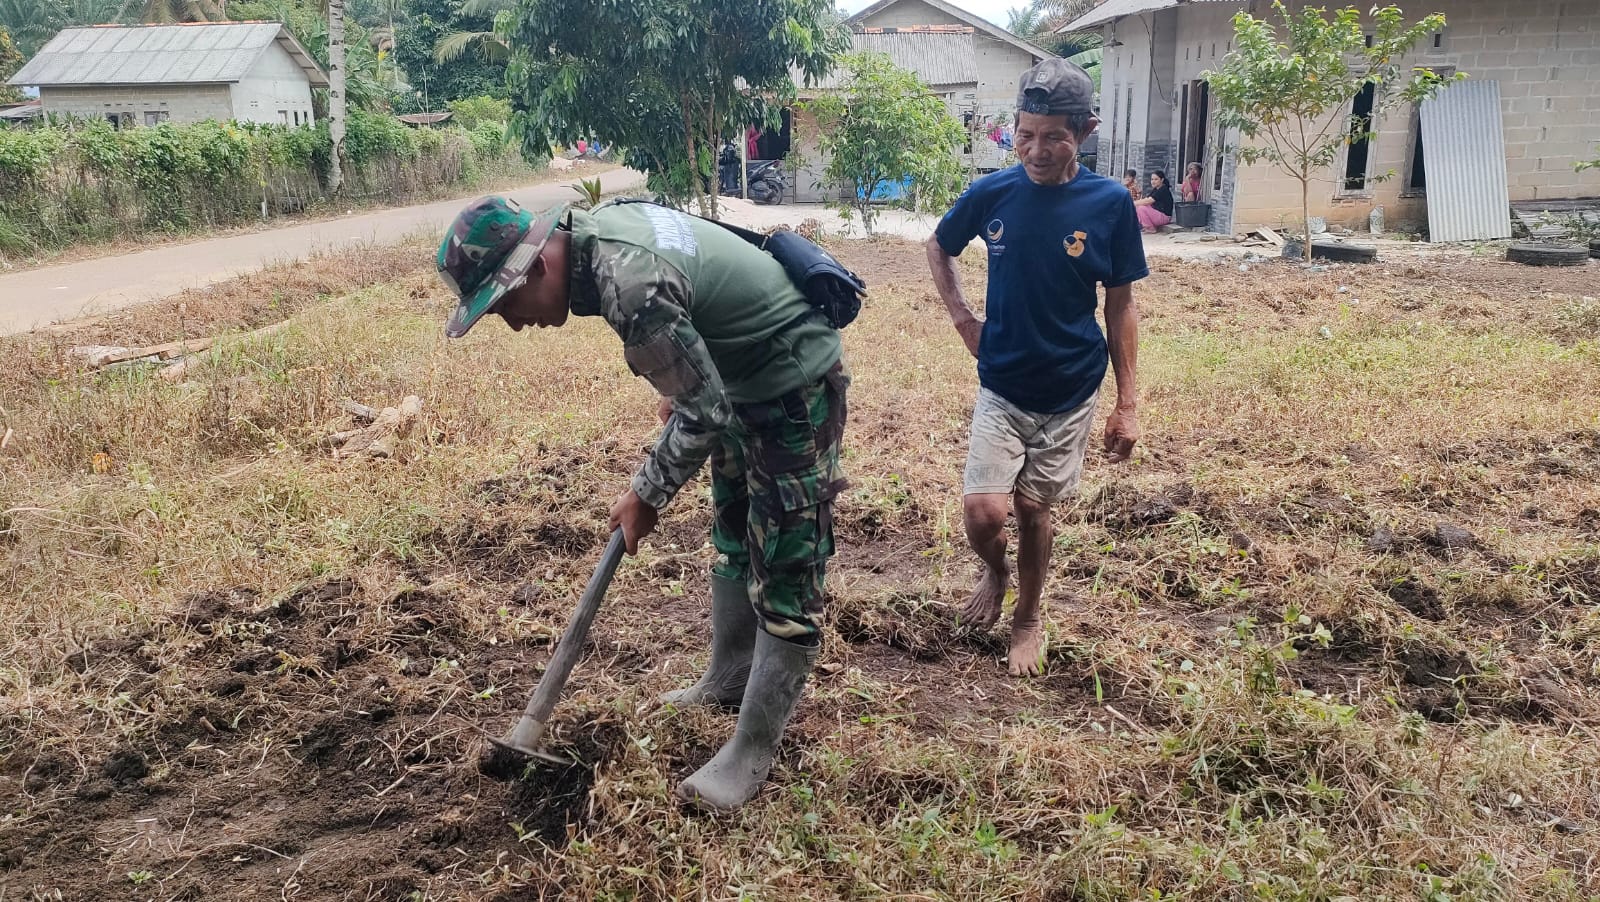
(234, 668)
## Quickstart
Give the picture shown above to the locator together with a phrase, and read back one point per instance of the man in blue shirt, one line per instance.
(1053, 231)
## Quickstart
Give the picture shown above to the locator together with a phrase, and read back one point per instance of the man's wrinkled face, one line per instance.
(1047, 146)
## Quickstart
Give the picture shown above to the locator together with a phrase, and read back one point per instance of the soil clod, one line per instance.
(126, 766)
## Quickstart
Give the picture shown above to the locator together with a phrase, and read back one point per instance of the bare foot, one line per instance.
(1028, 648)
(982, 610)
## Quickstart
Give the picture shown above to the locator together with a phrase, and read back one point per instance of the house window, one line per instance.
(284, 116)
(1358, 153)
(1417, 178)
(155, 117)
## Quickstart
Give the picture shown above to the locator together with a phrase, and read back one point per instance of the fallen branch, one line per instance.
(101, 357)
(358, 410)
(389, 425)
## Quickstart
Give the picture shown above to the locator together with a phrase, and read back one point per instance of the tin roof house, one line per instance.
(134, 75)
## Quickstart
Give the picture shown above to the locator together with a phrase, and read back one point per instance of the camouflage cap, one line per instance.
(488, 251)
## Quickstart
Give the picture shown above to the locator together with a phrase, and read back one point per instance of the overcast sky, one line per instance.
(993, 10)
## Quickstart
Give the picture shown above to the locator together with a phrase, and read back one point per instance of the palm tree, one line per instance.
(1038, 20)
(450, 46)
(30, 22)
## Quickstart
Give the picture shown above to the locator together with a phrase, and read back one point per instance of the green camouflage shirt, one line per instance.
(708, 319)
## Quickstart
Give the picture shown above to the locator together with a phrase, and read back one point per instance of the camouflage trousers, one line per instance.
(773, 480)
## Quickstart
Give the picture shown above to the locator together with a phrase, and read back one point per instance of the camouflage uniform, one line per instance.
(775, 458)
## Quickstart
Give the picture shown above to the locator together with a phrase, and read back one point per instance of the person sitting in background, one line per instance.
(1191, 183)
(1130, 180)
(1155, 211)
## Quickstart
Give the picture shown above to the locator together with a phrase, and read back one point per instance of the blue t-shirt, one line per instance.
(1049, 245)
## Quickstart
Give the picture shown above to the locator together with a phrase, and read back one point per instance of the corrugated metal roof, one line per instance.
(1114, 9)
(1464, 150)
(960, 15)
(17, 112)
(938, 57)
(200, 53)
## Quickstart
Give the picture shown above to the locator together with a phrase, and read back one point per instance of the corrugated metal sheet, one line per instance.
(203, 53)
(1464, 150)
(1114, 9)
(940, 58)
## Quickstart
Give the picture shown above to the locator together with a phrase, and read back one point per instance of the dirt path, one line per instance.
(55, 293)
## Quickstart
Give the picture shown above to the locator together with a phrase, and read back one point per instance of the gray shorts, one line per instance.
(1037, 454)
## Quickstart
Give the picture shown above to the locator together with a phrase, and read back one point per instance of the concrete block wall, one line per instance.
(181, 103)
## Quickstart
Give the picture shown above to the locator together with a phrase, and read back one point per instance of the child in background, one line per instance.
(1191, 183)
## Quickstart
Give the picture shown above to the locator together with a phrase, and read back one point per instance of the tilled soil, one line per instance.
(329, 743)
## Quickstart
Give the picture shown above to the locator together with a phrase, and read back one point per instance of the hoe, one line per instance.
(524, 737)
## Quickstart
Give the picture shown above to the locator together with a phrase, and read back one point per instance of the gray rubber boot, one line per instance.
(734, 625)
(732, 777)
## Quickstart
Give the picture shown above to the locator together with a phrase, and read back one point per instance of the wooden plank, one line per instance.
(1269, 235)
(161, 352)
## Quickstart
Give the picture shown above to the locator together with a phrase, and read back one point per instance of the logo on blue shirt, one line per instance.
(995, 230)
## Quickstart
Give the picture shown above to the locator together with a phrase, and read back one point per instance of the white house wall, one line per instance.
(178, 103)
(274, 91)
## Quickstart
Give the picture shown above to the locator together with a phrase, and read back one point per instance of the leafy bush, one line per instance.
(71, 182)
(371, 136)
(471, 112)
(488, 140)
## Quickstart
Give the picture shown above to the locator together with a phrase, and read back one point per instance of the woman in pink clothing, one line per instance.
(1191, 183)
(1155, 210)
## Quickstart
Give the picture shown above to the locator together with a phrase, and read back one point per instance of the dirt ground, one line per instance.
(1333, 633)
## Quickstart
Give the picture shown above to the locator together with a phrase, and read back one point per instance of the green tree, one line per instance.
(665, 80)
(1291, 99)
(167, 11)
(1038, 22)
(884, 127)
(10, 62)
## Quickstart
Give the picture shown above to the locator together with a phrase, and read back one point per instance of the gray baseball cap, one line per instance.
(1055, 87)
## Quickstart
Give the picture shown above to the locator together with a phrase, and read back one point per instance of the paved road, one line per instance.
(54, 294)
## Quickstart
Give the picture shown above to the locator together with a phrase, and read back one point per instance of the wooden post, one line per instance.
(744, 164)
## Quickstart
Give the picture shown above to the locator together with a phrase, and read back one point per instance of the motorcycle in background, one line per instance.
(767, 183)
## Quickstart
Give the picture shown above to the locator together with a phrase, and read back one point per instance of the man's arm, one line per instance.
(646, 302)
(1122, 340)
(948, 280)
